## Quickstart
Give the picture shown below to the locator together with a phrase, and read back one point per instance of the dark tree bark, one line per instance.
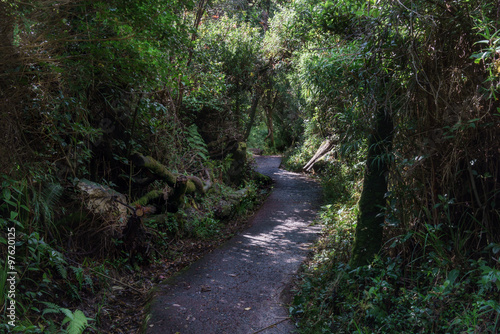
(269, 108)
(135, 240)
(176, 200)
(236, 172)
(253, 112)
(369, 229)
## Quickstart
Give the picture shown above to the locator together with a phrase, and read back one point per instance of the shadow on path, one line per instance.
(237, 288)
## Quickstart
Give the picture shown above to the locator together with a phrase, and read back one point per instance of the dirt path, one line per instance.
(240, 287)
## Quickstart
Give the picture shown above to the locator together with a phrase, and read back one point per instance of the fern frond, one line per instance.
(45, 201)
(79, 275)
(74, 290)
(196, 142)
(57, 260)
(77, 323)
(51, 308)
(202, 156)
(68, 314)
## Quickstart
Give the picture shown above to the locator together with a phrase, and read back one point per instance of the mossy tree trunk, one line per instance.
(369, 229)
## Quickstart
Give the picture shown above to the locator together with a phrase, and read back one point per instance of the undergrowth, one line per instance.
(296, 157)
(417, 283)
(59, 289)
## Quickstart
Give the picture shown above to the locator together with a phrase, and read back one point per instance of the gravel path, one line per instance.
(240, 287)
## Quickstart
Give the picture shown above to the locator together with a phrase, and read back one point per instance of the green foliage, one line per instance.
(384, 298)
(297, 157)
(196, 144)
(73, 323)
(87, 84)
(137, 45)
(491, 46)
(424, 292)
(41, 270)
(257, 135)
(204, 228)
(233, 47)
(363, 60)
(289, 30)
(228, 54)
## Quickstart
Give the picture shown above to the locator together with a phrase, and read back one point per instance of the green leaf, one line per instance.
(7, 194)
(453, 275)
(13, 215)
(10, 202)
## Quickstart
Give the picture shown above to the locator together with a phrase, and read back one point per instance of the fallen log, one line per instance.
(193, 183)
(325, 147)
(149, 198)
(181, 184)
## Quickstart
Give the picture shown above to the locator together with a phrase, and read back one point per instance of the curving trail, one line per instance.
(239, 288)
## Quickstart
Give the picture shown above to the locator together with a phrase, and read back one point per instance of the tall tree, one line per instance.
(370, 224)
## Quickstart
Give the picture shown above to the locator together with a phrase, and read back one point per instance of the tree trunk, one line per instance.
(270, 130)
(269, 107)
(369, 229)
(253, 111)
(236, 171)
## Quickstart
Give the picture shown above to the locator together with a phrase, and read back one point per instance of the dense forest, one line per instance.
(126, 129)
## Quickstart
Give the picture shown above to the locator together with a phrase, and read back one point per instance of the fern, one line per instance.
(51, 308)
(45, 201)
(57, 260)
(76, 321)
(196, 142)
(73, 290)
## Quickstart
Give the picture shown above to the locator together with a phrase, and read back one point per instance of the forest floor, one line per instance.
(242, 286)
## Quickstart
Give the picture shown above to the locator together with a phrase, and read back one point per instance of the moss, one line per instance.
(148, 198)
(193, 183)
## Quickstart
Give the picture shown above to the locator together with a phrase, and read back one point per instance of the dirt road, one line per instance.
(240, 287)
